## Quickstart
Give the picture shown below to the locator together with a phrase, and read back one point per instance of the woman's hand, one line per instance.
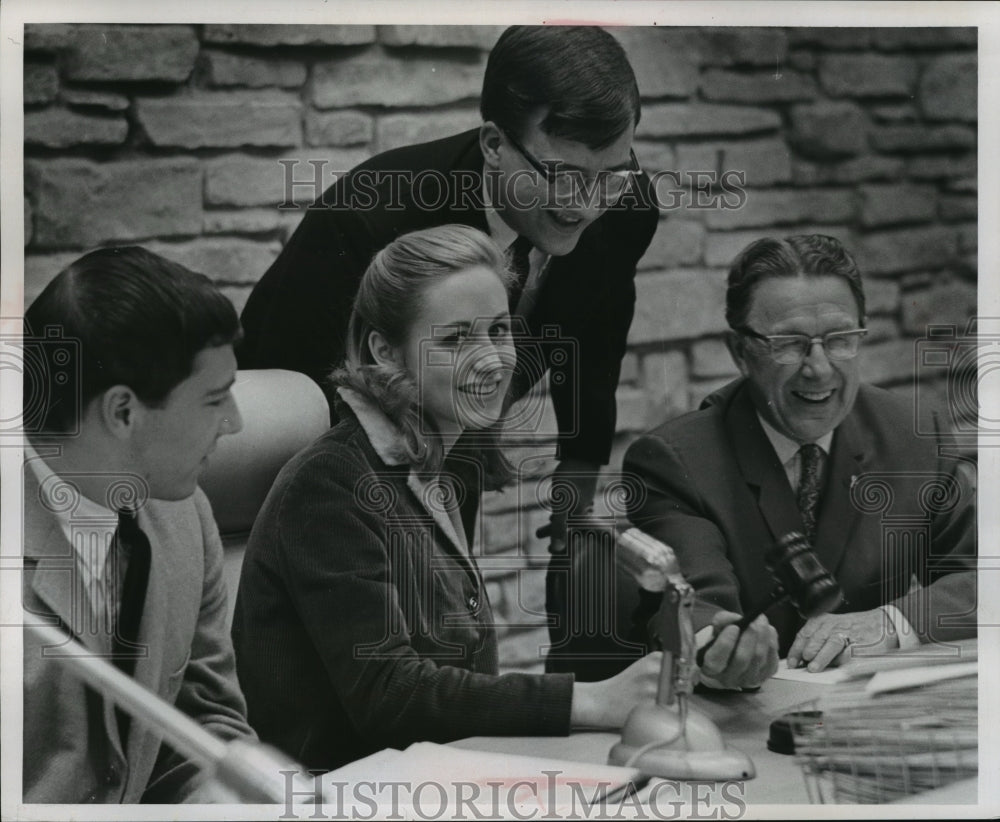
(606, 704)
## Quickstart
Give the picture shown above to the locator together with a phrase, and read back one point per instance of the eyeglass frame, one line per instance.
(550, 173)
(770, 338)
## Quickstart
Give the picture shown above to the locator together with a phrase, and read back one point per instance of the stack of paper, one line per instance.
(442, 782)
(962, 653)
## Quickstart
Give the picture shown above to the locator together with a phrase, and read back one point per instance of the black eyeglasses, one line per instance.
(792, 349)
(605, 186)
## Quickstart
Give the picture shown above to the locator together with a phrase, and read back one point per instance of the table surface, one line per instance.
(743, 719)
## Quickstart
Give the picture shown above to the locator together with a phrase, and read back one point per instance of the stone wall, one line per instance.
(170, 136)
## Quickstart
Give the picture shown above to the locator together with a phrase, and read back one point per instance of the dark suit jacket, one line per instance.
(718, 495)
(361, 623)
(296, 317)
(73, 752)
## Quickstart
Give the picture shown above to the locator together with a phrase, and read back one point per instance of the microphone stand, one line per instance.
(669, 738)
(251, 770)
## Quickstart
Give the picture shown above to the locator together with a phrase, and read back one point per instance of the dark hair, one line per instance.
(388, 301)
(806, 255)
(131, 318)
(580, 74)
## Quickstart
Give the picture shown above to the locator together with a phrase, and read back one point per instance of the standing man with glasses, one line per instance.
(791, 446)
(551, 177)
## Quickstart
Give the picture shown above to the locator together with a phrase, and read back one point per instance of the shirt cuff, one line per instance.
(703, 636)
(908, 639)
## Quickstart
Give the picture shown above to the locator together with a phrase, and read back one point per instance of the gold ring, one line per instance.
(844, 638)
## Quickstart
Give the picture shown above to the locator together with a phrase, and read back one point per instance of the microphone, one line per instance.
(669, 738)
(654, 567)
(650, 562)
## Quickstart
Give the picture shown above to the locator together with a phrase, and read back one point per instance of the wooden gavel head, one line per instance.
(802, 577)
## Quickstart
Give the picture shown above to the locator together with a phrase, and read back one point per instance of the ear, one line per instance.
(382, 351)
(490, 139)
(119, 409)
(738, 351)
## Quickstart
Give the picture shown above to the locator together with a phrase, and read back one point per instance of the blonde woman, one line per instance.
(362, 620)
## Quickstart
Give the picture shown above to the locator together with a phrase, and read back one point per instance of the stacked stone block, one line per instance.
(183, 138)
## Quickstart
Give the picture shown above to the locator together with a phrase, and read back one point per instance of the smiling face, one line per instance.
(171, 444)
(810, 399)
(550, 219)
(460, 349)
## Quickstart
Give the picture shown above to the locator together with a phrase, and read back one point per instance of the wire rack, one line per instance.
(872, 750)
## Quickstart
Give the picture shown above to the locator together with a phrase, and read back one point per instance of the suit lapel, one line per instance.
(153, 632)
(838, 518)
(386, 440)
(573, 281)
(761, 469)
(56, 580)
(56, 583)
(424, 494)
(466, 207)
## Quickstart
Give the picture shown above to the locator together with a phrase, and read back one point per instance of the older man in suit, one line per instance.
(800, 444)
(551, 176)
(129, 393)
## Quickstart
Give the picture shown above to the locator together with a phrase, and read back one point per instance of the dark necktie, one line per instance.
(811, 458)
(132, 557)
(518, 252)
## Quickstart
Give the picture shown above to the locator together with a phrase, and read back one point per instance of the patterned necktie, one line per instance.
(518, 252)
(811, 458)
(132, 559)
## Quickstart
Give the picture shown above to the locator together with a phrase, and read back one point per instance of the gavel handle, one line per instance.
(777, 595)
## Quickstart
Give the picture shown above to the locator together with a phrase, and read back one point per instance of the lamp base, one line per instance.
(699, 752)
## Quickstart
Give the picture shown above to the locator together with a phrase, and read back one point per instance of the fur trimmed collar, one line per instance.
(385, 437)
(387, 440)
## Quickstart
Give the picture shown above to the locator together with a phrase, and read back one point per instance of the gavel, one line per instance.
(801, 579)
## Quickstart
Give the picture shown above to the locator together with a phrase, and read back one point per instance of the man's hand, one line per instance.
(738, 660)
(829, 639)
(572, 492)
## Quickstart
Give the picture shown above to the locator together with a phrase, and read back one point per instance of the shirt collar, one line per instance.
(87, 526)
(382, 433)
(389, 443)
(503, 235)
(786, 448)
(85, 510)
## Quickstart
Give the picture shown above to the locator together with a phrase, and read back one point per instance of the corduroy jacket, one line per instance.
(362, 622)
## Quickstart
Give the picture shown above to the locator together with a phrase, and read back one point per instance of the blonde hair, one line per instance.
(389, 299)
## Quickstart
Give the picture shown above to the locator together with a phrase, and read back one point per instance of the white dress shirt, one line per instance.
(538, 261)
(88, 527)
(788, 453)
